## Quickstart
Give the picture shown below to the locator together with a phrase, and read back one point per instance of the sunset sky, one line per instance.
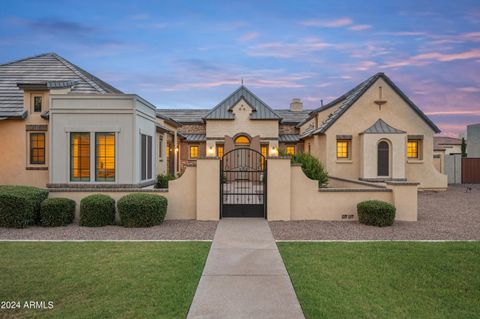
(192, 54)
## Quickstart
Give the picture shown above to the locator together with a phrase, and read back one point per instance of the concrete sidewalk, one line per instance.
(244, 276)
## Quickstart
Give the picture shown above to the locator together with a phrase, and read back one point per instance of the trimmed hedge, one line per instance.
(97, 210)
(20, 205)
(56, 212)
(142, 210)
(162, 180)
(376, 213)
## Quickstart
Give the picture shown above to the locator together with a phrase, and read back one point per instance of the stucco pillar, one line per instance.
(208, 188)
(279, 182)
(405, 200)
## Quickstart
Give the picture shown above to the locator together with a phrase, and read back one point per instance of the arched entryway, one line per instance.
(383, 159)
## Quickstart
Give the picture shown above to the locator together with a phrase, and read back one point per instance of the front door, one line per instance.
(243, 174)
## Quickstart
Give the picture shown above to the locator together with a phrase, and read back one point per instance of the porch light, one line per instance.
(211, 151)
(176, 149)
(274, 151)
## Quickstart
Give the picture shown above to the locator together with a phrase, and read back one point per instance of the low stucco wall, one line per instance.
(181, 195)
(293, 196)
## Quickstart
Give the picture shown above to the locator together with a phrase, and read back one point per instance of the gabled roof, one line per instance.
(48, 71)
(439, 141)
(353, 95)
(292, 117)
(380, 127)
(260, 110)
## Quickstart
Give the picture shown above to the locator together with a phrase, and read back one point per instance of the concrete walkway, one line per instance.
(244, 276)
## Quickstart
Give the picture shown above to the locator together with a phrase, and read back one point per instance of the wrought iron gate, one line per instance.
(243, 184)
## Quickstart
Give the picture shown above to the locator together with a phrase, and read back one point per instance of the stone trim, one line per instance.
(109, 190)
(36, 127)
(42, 168)
(402, 183)
(355, 190)
(383, 179)
(344, 137)
(96, 186)
(360, 182)
(415, 137)
(209, 158)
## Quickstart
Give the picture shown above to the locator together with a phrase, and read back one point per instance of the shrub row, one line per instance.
(312, 168)
(162, 180)
(376, 213)
(20, 205)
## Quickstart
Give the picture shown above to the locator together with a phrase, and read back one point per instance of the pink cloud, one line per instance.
(288, 49)
(359, 27)
(454, 112)
(470, 89)
(426, 58)
(337, 23)
(365, 65)
(249, 36)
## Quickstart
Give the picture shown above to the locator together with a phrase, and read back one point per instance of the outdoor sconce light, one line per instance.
(176, 149)
(274, 151)
(211, 151)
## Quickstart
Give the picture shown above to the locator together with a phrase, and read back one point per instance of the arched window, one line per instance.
(242, 140)
(383, 162)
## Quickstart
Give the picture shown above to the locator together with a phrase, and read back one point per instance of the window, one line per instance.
(105, 157)
(290, 150)
(242, 140)
(193, 152)
(342, 149)
(309, 148)
(220, 150)
(79, 157)
(37, 104)
(264, 151)
(160, 146)
(412, 149)
(37, 148)
(146, 157)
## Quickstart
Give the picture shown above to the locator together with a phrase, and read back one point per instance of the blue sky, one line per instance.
(181, 54)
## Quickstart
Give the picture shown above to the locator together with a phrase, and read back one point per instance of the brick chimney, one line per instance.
(296, 105)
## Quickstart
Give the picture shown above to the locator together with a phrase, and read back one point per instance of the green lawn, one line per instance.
(102, 279)
(385, 280)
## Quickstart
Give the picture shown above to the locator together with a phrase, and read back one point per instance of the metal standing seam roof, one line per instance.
(194, 137)
(380, 127)
(50, 70)
(287, 138)
(223, 110)
(353, 95)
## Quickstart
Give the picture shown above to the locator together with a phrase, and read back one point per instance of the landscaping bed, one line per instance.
(168, 230)
(450, 215)
(385, 280)
(101, 280)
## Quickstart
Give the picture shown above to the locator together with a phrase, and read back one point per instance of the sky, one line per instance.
(192, 54)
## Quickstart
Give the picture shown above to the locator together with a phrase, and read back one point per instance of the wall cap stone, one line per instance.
(108, 190)
(402, 183)
(355, 190)
(359, 182)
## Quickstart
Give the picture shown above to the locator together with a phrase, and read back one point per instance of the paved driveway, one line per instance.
(452, 215)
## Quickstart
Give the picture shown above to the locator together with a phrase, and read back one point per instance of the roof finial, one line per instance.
(242, 81)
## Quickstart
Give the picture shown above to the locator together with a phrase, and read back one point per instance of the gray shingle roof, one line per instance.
(285, 138)
(380, 127)
(184, 116)
(223, 111)
(289, 117)
(353, 95)
(47, 69)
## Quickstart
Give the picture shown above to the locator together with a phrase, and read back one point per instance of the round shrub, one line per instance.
(15, 211)
(376, 213)
(142, 210)
(35, 196)
(56, 212)
(97, 210)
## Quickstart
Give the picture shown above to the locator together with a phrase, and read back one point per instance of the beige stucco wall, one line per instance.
(278, 188)
(242, 124)
(181, 196)
(397, 113)
(368, 151)
(208, 189)
(15, 168)
(296, 197)
(439, 161)
(14, 156)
